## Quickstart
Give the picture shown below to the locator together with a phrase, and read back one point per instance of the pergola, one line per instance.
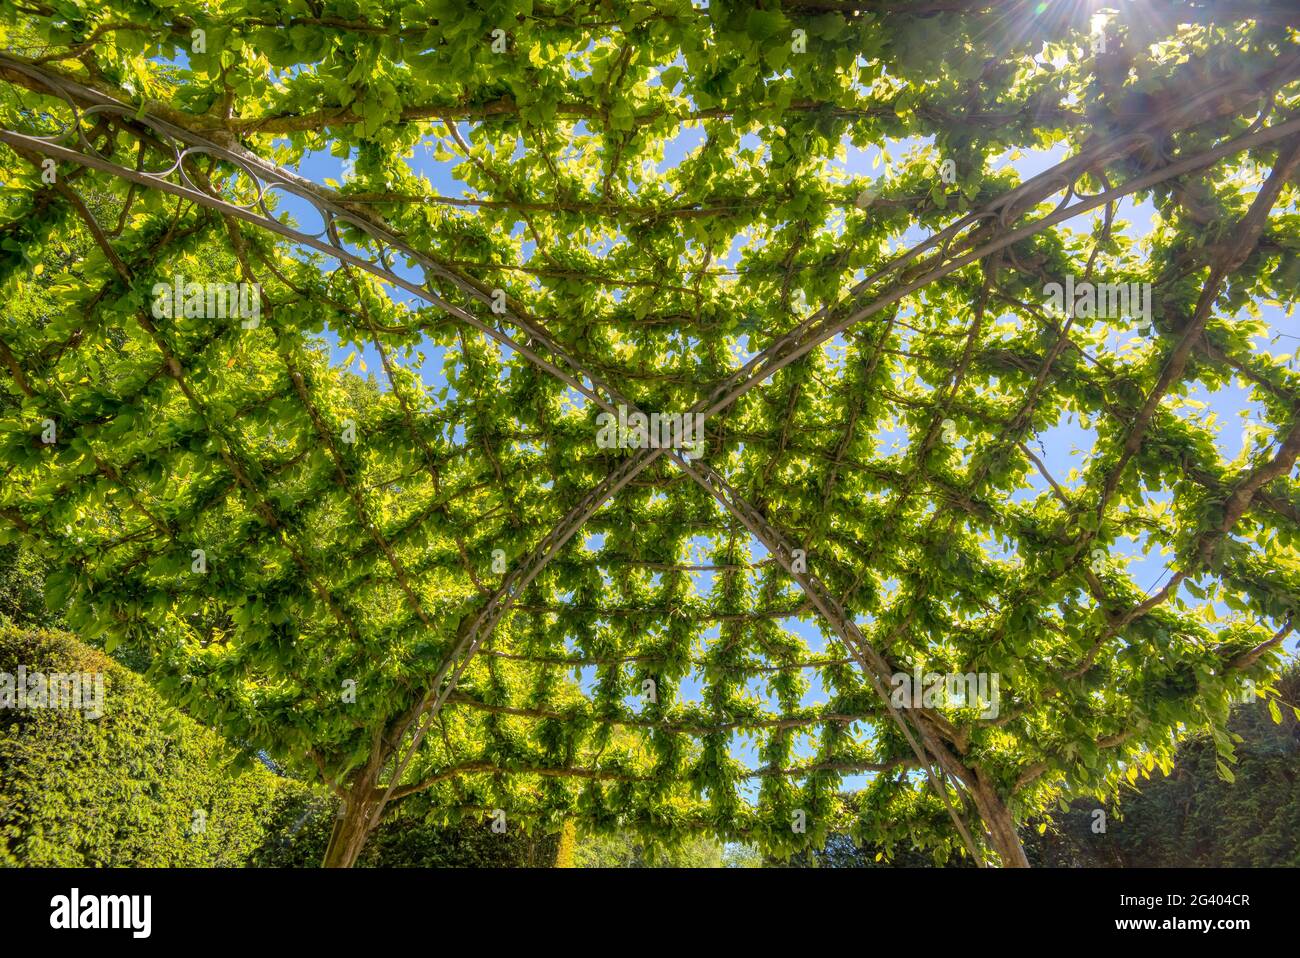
(330, 555)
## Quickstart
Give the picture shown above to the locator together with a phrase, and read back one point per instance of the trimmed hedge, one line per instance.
(132, 787)
(139, 786)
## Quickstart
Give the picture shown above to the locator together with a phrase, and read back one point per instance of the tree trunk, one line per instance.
(1000, 824)
(353, 825)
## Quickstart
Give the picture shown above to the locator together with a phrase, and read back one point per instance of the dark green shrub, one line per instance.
(1193, 817)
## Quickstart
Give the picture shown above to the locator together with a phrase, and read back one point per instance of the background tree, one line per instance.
(22, 588)
(623, 851)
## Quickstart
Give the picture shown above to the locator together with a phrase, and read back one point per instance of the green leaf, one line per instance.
(764, 24)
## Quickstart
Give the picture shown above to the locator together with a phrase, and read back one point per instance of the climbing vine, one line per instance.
(405, 586)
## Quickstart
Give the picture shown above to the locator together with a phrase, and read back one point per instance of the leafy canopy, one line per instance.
(665, 191)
